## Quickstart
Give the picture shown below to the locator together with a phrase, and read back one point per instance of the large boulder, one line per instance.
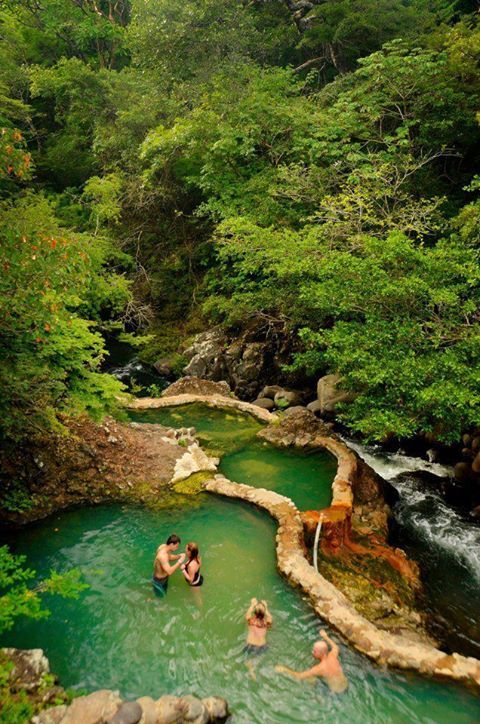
(287, 398)
(265, 403)
(476, 463)
(130, 712)
(245, 364)
(169, 710)
(194, 710)
(315, 407)
(98, 707)
(329, 393)
(196, 386)
(270, 391)
(164, 367)
(149, 709)
(205, 354)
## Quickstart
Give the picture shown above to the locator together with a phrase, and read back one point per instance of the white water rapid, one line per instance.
(422, 509)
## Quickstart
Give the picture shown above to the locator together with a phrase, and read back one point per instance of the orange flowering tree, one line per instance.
(14, 159)
(50, 351)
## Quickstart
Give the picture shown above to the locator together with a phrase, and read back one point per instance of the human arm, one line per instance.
(249, 613)
(191, 571)
(328, 640)
(268, 615)
(164, 560)
(300, 675)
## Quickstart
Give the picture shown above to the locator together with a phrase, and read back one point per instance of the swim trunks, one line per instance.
(160, 585)
(252, 650)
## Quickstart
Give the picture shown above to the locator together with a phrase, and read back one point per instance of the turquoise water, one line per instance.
(119, 635)
(305, 478)
(217, 430)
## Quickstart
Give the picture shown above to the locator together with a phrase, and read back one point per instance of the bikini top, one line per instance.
(197, 577)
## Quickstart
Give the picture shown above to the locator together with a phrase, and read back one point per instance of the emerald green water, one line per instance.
(119, 635)
(305, 478)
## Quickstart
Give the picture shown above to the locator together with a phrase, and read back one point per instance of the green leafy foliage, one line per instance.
(18, 598)
(49, 353)
(234, 161)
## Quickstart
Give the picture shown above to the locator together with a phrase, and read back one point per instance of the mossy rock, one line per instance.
(193, 484)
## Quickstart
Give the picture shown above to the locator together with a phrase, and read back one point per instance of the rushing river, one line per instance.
(119, 635)
(444, 540)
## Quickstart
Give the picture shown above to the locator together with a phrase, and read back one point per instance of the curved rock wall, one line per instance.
(216, 401)
(396, 650)
(401, 650)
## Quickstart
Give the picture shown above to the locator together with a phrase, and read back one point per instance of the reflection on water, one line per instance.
(119, 635)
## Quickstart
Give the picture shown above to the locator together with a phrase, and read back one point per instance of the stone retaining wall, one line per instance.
(216, 401)
(396, 650)
(399, 650)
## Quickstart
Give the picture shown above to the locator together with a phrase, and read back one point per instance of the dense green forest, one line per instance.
(169, 165)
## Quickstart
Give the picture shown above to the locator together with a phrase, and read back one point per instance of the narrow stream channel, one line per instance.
(444, 540)
(119, 635)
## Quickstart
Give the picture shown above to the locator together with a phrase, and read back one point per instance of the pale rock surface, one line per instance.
(329, 394)
(96, 708)
(195, 460)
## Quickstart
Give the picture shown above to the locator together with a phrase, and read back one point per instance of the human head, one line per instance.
(192, 550)
(259, 611)
(173, 541)
(320, 650)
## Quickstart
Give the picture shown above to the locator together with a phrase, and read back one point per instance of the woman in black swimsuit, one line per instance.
(191, 569)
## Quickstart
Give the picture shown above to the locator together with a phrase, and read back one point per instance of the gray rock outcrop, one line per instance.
(330, 394)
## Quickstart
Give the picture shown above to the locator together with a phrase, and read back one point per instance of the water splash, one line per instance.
(422, 509)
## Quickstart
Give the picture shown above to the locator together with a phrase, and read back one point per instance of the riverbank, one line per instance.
(97, 463)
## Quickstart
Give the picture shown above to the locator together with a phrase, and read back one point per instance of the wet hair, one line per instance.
(259, 611)
(172, 539)
(192, 548)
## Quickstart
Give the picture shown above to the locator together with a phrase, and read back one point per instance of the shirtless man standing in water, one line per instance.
(328, 666)
(161, 566)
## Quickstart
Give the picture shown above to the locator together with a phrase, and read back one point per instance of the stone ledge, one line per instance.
(383, 647)
(30, 673)
(218, 402)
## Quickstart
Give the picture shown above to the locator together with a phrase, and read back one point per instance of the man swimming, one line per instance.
(328, 666)
(161, 565)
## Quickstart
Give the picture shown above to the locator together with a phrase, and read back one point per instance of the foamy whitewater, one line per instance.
(422, 509)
